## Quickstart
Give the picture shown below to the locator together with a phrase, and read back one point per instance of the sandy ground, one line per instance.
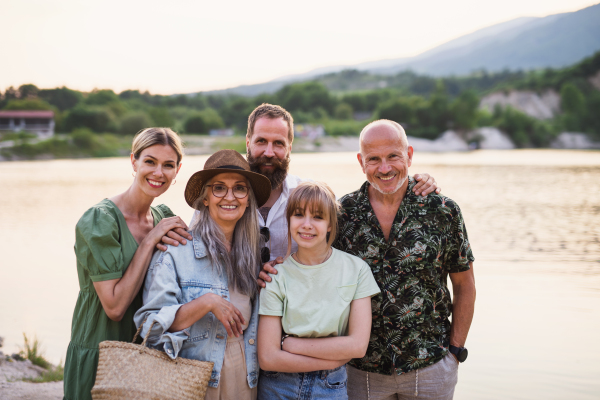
(11, 386)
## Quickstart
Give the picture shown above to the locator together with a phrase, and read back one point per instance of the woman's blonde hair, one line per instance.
(151, 136)
(318, 198)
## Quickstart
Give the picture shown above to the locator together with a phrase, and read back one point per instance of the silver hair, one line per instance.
(242, 264)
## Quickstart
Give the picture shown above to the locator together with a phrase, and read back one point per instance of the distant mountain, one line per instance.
(554, 41)
(521, 44)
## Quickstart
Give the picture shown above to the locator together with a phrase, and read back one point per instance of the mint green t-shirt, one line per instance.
(314, 300)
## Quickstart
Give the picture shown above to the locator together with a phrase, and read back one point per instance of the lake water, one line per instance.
(533, 217)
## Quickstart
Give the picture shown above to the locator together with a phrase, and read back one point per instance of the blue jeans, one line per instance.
(330, 384)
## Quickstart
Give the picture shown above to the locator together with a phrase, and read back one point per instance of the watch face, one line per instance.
(462, 355)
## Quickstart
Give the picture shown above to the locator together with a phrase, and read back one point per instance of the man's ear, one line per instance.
(360, 161)
(409, 151)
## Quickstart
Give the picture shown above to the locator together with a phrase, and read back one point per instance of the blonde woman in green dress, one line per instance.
(114, 243)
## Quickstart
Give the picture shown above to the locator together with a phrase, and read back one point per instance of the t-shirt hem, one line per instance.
(106, 277)
(270, 313)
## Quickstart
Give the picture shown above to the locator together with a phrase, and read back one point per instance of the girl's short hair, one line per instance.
(151, 136)
(318, 198)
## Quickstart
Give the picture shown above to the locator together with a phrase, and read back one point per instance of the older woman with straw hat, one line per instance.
(203, 295)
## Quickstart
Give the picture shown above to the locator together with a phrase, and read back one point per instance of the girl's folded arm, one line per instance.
(341, 347)
(272, 358)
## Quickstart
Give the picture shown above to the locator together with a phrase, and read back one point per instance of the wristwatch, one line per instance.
(461, 353)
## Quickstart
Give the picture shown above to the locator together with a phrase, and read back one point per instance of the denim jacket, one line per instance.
(178, 276)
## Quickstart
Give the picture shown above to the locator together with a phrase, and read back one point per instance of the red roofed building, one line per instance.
(39, 122)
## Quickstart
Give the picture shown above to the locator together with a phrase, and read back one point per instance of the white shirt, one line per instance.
(276, 222)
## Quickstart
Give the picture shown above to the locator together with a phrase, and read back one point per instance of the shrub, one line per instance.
(84, 139)
(161, 117)
(343, 111)
(134, 122)
(28, 104)
(203, 121)
(95, 118)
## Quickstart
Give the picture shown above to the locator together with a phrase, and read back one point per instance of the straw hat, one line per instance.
(227, 161)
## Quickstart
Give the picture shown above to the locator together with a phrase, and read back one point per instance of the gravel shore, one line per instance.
(12, 387)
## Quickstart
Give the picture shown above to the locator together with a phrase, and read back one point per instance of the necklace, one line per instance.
(329, 252)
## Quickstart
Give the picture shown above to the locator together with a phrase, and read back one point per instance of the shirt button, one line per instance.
(169, 351)
(251, 341)
(220, 336)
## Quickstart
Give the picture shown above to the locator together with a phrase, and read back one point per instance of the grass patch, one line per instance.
(237, 143)
(54, 374)
(81, 143)
(17, 136)
(32, 351)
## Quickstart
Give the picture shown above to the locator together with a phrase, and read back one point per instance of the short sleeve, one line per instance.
(97, 246)
(271, 299)
(458, 252)
(164, 211)
(366, 286)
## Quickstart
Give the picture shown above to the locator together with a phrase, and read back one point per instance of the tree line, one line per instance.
(343, 102)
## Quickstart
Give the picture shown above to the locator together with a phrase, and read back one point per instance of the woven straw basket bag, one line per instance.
(133, 371)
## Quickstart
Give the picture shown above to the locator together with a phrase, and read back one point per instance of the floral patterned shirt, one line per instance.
(428, 240)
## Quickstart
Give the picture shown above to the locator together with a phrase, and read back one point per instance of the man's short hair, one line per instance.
(270, 111)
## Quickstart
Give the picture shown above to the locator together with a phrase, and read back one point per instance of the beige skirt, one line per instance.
(233, 384)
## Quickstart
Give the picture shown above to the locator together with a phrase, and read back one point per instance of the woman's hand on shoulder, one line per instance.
(173, 228)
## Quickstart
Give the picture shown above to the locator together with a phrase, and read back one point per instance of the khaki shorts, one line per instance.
(435, 382)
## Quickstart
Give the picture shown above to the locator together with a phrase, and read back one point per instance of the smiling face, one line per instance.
(385, 158)
(269, 149)
(155, 168)
(309, 229)
(228, 210)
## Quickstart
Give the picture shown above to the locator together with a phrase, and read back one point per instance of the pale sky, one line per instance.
(184, 46)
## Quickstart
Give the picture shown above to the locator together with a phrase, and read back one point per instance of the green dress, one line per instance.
(104, 247)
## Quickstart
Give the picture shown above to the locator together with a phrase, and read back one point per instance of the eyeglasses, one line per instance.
(265, 252)
(239, 191)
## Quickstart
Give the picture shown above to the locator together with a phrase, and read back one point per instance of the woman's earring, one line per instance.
(133, 174)
(174, 182)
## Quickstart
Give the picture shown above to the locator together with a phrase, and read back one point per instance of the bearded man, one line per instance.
(269, 144)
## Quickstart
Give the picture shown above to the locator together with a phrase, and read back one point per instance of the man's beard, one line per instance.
(398, 186)
(279, 172)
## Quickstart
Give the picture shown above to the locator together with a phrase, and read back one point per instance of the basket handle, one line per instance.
(147, 334)
(139, 330)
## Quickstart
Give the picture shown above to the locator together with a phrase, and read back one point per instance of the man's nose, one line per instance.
(269, 151)
(384, 168)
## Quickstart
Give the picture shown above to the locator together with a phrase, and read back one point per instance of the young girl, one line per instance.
(321, 301)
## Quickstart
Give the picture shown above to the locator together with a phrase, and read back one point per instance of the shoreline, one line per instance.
(448, 142)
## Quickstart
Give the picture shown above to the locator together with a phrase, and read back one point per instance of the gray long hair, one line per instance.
(242, 264)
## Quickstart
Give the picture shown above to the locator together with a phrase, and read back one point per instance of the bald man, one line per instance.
(412, 243)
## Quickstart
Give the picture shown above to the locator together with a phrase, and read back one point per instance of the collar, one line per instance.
(199, 247)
